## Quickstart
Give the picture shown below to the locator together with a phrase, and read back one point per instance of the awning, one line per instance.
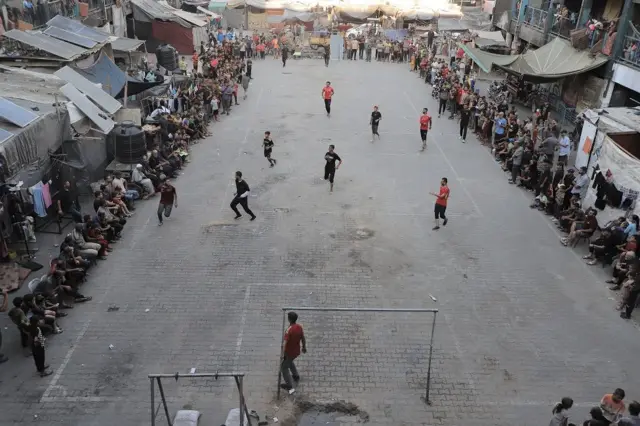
(486, 60)
(489, 39)
(104, 72)
(555, 60)
(453, 24)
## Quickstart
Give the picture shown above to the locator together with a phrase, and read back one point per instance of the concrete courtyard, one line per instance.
(522, 320)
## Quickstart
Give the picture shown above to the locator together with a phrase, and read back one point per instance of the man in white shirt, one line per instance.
(581, 184)
(565, 148)
(138, 176)
(119, 183)
(161, 110)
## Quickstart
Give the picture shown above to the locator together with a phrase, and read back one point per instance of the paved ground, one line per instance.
(522, 320)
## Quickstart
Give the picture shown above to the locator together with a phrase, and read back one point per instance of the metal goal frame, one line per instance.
(157, 379)
(287, 309)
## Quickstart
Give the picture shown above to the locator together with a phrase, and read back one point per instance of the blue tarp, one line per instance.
(104, 71)
(396, 35)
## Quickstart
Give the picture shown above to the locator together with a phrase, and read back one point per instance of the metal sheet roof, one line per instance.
(76, 27)
(4, 135)
(15, 114)
(47, 44)
(121, 44)
(70, 37)
(98, 117)
(98, 95)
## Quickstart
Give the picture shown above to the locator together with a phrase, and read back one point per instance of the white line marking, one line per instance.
(243, 320)
(521, 403)
(65, 361)
(444, 156)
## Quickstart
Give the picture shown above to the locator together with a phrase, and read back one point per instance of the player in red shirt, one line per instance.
(425, 126)
(327, 94)
(293, 337)
(441, 204)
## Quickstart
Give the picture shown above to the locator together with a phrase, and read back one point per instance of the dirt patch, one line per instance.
(213, 226)
(362, 234)
(308, 413)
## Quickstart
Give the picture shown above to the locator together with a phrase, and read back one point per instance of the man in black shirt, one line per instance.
(465, 115)
(241, 197)
(330, 167)
(285, 55)
(67, 203)
(375, 121)
(267, 144)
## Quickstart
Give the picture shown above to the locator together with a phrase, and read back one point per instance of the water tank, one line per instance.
(167, 56)
(129, 142)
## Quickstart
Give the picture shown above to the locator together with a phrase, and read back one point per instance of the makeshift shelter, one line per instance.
(361, 14)
(160, 22)
(418, 16)
(553, 61)
(489, 39)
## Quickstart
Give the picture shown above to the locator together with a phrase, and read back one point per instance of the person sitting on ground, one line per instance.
(104, 195)
(138, 176)
(64, 282)
(116, 223)
(83, 247)
(118, 182)
(94, 234)
(582, 229)
(160, 165)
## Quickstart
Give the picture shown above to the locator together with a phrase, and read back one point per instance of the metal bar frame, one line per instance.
(153, 378)
(329, 309)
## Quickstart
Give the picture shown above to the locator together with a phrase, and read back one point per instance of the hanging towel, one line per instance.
(38, 200)
(46, 195)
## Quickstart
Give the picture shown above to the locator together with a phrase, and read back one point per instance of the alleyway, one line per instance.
(522, 323)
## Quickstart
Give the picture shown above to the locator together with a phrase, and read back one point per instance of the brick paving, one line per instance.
(522, 320)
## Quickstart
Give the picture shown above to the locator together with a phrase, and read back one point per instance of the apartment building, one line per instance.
(605, 27)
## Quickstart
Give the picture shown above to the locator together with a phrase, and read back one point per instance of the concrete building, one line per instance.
(532, 23)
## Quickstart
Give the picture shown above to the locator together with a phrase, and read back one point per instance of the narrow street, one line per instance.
(522, 322)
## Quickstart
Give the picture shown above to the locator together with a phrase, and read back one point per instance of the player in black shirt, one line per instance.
(465, 115)
(330, 168)
(375, 121)
(267, 144)
(241, 197)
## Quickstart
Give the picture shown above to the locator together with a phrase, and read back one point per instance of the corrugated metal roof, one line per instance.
(100, 118)
(70, 37)
(76, 27)
(99, 96)
(47, 44)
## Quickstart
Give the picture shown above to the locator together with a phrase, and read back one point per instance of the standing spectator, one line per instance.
(565, 148)
(465, 114)
(293, 339)
(37, 347)
(516, 161)
(633, 419)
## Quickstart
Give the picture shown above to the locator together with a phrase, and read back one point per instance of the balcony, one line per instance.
(631, 51)
(562, 26)
(535, 17)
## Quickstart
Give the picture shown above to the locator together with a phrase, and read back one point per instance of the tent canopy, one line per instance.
(555, 60)
(489, 39)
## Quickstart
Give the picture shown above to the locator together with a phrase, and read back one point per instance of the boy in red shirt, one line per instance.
(327, 93)
(441, 204)
(293, 337)
(425, 126)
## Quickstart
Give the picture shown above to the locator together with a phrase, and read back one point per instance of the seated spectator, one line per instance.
(621, 269)
(116, 223)
(612, 406)
(160, 165)
(84, 248)
(105, 195)
(138, 176)
(68, 203)
(632, 226)
(93, 234)
(603, 247)
(44, 316)
(633, 419)
(120, 183)
(62, 284)
(597, 419)
(582, 229)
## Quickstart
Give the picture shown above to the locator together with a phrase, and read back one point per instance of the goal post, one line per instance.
(433, 312)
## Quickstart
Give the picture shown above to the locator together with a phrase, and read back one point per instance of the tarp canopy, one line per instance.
(489, 39)
(150, 10)
(418, 15)
(555, 60)
(104, 72)
(486, 60)
(453, 24)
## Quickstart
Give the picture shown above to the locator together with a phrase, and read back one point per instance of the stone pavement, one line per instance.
(522, 322)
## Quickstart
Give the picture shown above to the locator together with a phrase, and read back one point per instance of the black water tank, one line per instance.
(167, 56)
(129, 142)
